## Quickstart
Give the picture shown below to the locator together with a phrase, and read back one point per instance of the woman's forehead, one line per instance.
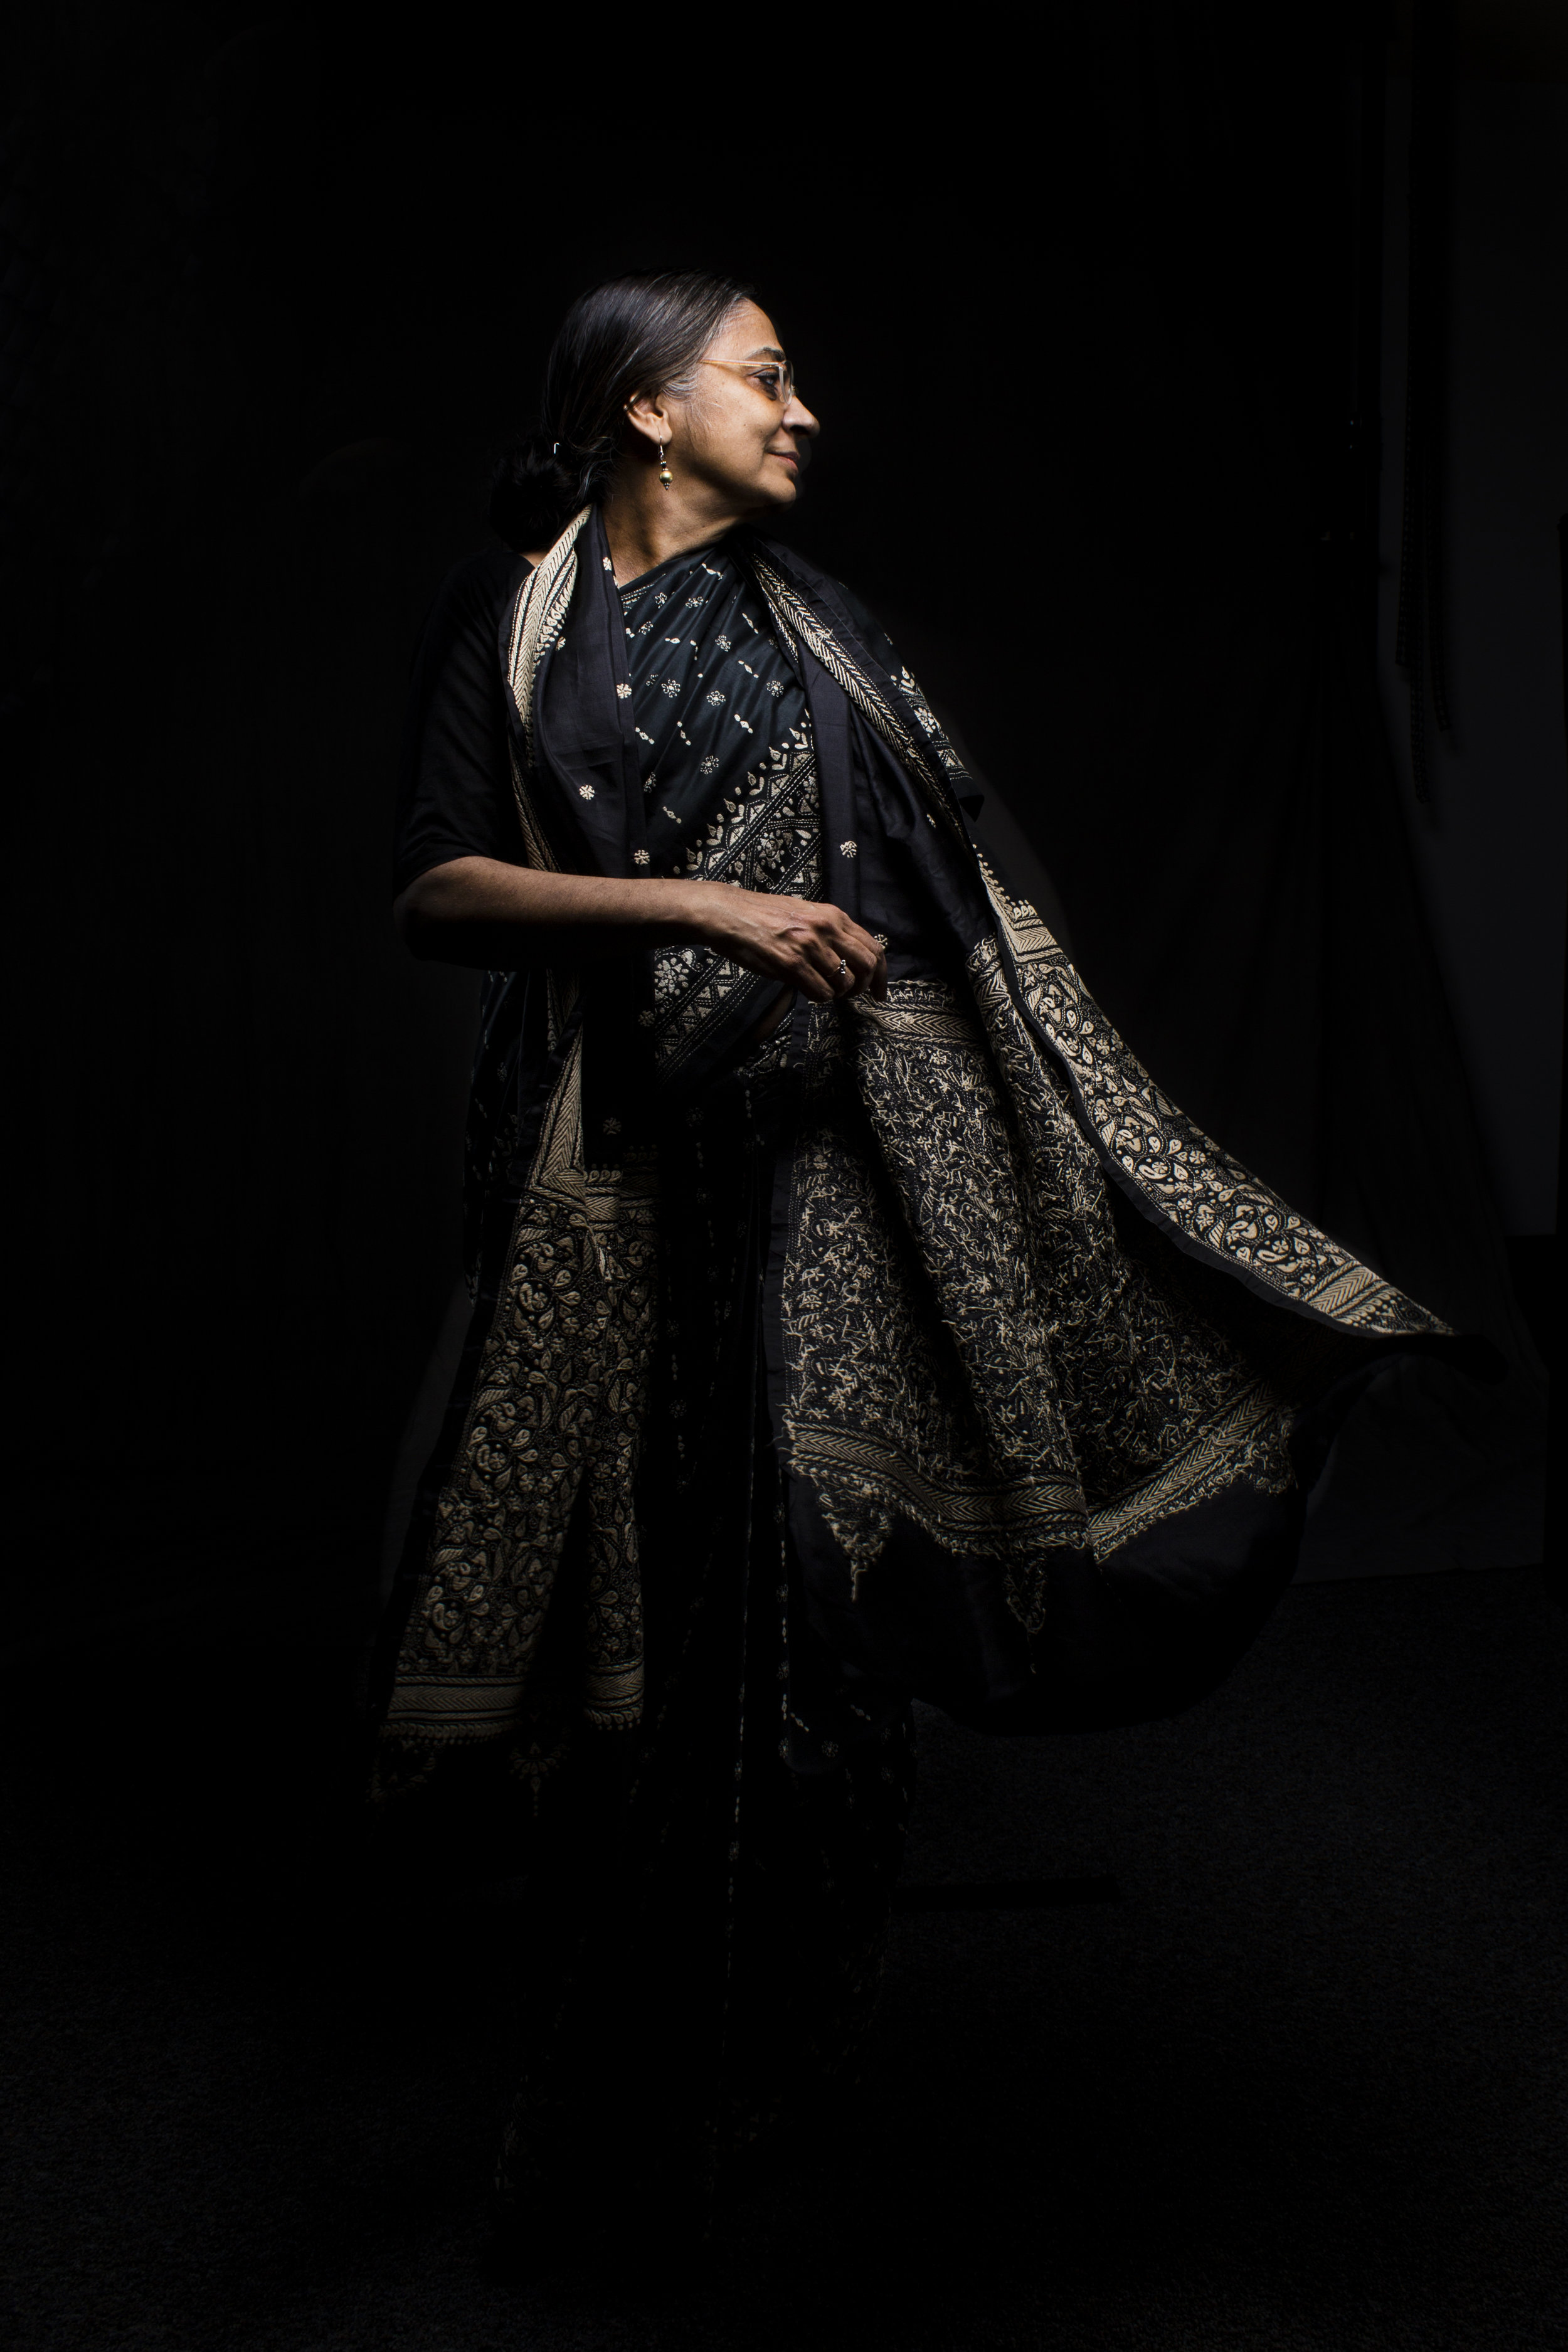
(748, 333)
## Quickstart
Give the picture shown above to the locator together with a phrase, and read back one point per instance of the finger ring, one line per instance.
(843, 968)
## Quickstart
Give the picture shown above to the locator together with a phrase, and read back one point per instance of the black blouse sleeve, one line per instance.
(455, 798)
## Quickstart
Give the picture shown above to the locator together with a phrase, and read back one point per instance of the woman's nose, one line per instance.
(799, 418)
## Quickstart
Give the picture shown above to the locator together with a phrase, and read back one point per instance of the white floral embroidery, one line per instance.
(625, 692)
(723, 643)
(716, 699)
(775, 686)
(640, 857)
(672, 973)
(707, 767)
(611, 1126)
(848, 849)
(672, 687)
(607, 564)
(586, 791)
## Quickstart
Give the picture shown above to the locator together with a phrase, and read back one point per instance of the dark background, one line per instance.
(1076, 295)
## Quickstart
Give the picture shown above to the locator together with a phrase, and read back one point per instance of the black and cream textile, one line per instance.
(729, 782)
(712, 693)
(1046, 1368)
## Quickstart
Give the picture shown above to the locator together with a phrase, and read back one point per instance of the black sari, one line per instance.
(923, 1349)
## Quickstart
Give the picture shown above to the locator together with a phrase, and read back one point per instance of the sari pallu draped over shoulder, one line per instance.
(1049, 1372)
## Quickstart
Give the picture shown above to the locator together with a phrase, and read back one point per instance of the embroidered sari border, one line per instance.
(1210, 1450)
(438, 1706)
(957, 1515)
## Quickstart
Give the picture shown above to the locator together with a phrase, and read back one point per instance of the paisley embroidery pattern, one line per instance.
(968, 1343)
(553, 1429)
(1189, 1178)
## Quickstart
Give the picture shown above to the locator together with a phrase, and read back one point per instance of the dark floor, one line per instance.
(1300, 2087)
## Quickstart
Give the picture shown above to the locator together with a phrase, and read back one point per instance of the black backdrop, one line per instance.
(1078, 312)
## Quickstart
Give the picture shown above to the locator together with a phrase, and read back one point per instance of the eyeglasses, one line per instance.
(775, 377)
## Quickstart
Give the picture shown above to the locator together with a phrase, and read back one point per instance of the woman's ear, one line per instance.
(649, 416)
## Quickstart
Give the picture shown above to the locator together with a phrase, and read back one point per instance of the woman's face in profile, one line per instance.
(742, 430)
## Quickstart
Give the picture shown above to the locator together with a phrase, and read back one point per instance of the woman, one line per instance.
(855, 1319)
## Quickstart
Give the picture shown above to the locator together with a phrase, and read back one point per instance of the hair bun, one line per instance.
(534, 493)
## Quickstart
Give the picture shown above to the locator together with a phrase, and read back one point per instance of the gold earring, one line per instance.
(664, 476)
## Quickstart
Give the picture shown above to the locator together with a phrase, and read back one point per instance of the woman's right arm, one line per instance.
(496, 916)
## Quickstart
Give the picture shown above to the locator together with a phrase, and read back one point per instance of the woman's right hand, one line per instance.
(803, 942)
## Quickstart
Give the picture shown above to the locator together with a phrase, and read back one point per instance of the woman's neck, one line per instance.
(642, 532)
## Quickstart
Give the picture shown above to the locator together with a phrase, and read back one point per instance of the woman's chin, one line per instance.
(773, 488)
